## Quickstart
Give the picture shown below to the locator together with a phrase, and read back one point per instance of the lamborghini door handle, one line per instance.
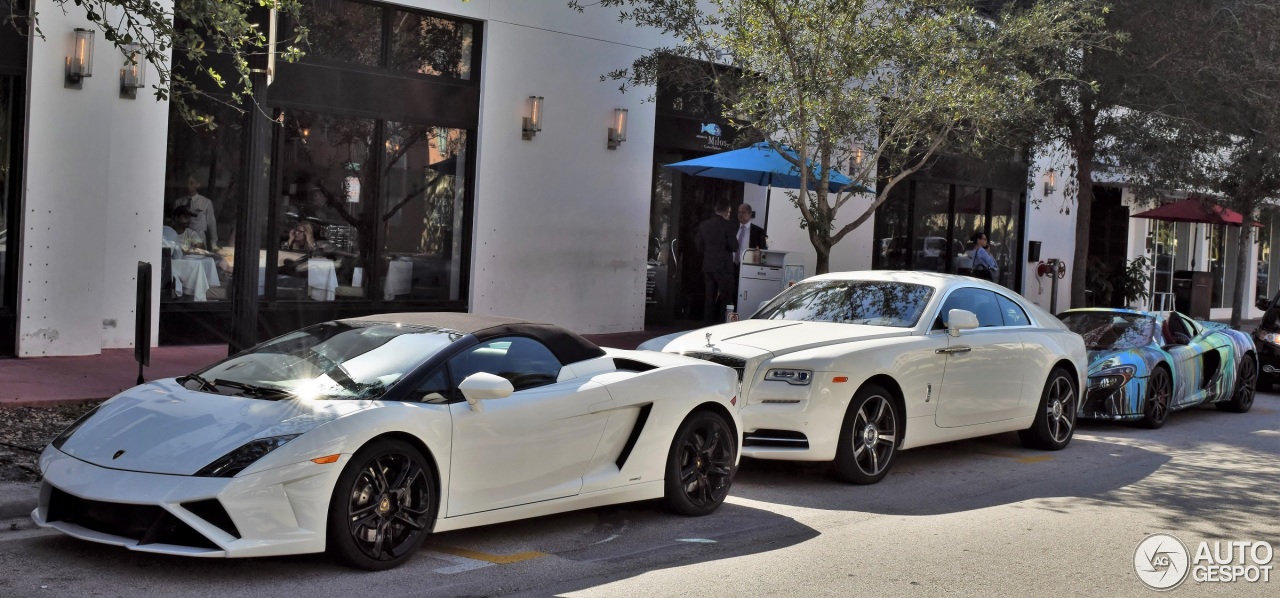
(959, 349)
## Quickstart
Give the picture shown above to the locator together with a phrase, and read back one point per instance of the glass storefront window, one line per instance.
(342, 31)
(891, 230)
(7, 101)
(932, 218)
(1003, 242)
(430, 45)
(422, 208)
(202, 188)
(324, 169)
(970, 218)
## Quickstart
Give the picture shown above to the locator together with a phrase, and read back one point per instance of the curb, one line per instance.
(18, 499)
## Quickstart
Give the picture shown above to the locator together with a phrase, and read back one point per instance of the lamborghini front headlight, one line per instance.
(236, 461)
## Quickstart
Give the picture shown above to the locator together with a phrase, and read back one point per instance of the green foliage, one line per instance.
(895, 81)
(195, 32)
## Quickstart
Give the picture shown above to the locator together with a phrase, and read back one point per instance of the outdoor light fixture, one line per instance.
(80, 62)
(618, 132)
(1050, 182)
(134, 74)
(855, 160)
(533, 122)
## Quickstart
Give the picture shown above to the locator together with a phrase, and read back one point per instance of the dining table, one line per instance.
(194, 275)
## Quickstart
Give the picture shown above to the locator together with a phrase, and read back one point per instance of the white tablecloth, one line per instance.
(322, 279)
(194, 275)
(399, 279)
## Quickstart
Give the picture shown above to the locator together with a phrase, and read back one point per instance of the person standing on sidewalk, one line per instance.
(718, 244)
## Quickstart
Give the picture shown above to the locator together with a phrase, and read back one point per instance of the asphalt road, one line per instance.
(975, 518)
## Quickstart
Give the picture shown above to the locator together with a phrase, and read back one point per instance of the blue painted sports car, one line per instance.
(1142, 365)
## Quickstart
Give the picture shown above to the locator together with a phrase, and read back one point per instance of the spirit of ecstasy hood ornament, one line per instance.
(709, 343)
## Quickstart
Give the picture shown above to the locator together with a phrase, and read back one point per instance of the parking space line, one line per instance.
(497, 559)
(1018, 458)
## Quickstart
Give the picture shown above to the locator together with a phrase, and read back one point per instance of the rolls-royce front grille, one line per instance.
(737, 363)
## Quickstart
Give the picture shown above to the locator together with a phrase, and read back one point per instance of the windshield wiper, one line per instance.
(257, 392)
(205, 385)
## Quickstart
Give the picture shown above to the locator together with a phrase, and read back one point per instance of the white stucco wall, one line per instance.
(850, 254)
(1051, 220)
(93, 178)
(561, 222)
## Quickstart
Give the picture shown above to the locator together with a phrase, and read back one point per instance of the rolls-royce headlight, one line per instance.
(236, 461)
(1270, 337)
(795, 377)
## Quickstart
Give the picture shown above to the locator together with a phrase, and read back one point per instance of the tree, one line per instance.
(1177, 96)
(1188, 104)
(196, 32)
(894, 82)
(1212, 107)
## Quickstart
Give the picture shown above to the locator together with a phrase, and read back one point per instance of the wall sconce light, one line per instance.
(80, 62)
(1050, 182)
(134, 74)
(855, 160)
(618, 131)
(533, 122)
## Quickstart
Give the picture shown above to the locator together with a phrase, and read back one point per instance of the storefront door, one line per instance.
(680, 203)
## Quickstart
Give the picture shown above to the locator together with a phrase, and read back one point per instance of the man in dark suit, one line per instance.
(749, 236)
(715, 239)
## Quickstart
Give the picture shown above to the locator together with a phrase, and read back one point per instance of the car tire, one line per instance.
(869, 436)
(1155, 406)
(1242, 392)
(700, 464)
(383, 506)
(1055, 420)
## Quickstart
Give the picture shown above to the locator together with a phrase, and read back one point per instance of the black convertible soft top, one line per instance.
(567, 346)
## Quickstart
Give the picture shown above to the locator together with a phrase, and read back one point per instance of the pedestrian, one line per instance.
(984, 266)
(717, 242)
(749, 236)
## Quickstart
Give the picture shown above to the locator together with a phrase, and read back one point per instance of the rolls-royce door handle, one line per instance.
(675, 257)
(957, 349)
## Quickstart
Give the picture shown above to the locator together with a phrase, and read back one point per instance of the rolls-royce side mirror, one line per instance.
(960, 319)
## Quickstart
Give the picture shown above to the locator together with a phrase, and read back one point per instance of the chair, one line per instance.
(166, 274)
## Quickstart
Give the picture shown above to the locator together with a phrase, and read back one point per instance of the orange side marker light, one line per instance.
(839, 379)
(328, 459)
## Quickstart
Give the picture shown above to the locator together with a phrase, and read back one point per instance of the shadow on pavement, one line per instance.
(955, 477)
(576, 550)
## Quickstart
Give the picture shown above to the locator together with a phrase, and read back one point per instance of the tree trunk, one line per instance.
(1084, 151)
(1243, 264)
(824, 260)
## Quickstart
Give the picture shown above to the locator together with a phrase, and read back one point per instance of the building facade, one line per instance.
(403, 175)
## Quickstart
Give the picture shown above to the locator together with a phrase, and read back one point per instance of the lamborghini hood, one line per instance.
(161, 427)
(751, 338)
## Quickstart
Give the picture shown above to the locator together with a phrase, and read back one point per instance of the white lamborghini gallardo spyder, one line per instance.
(360, 437)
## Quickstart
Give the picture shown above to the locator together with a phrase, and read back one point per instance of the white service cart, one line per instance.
(760, 282)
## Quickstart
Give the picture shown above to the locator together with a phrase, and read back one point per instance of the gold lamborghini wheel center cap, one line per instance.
(384, 505)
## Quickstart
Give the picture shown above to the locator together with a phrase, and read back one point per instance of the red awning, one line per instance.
(1194, 209)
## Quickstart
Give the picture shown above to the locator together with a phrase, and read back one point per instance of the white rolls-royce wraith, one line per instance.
(853, 367)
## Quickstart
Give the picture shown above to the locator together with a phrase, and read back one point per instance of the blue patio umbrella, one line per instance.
(761, 165)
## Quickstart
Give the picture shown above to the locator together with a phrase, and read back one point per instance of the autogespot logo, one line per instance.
(1161, 561)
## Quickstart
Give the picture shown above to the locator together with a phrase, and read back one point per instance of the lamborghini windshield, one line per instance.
(1110, 331)
(871, 302)
(335, 360)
